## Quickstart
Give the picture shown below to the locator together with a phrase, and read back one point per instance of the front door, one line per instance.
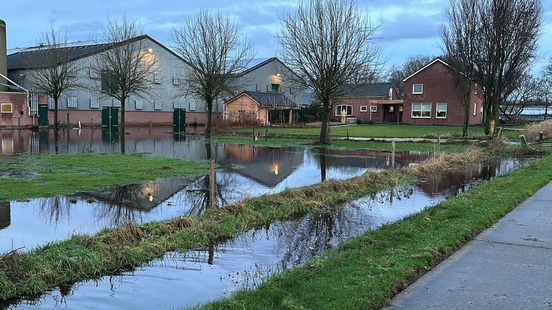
(179, 120)
(110, 117)
(43, 115)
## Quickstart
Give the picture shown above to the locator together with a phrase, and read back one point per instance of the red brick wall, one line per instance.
(134, 118)
(20, 115)
(356, 103)
(244, 103)
(439, 87)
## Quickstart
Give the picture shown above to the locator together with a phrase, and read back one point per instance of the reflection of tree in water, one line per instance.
(55, 209)
(123, 207)
(199, 193)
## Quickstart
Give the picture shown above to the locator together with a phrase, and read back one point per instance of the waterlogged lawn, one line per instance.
(376, 131)
(353, 145)
(30, 176)
(368, 271)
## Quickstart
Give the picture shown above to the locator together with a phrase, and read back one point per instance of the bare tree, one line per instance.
(212, 46)
(526, 94)
(327, 42)
(545, 88)
(411, 65)
(127, 68)
(508, 35)
(54, 74)
(460, 39)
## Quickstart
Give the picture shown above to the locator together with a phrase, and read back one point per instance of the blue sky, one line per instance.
(407, 27)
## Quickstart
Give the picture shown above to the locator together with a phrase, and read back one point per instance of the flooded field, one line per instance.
(245, 171)
(187, 279)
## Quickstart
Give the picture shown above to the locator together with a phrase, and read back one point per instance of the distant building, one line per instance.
(431, 98)
(370, 103)
(254, 108)
(85, 105)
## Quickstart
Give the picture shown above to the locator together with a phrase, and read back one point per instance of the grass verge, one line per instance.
(368, 271)
(31, 176)
(115, 250)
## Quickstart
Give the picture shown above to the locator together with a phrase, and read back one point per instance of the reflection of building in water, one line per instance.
(370, 158)
(5, 214)
(268, 166)
(143, 197)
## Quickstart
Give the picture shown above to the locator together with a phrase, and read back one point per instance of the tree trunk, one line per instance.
(546, 111)
(122, 126)
(325, 128)
(209, 124)
(56, 126)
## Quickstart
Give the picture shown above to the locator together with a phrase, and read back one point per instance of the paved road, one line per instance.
(508, 266)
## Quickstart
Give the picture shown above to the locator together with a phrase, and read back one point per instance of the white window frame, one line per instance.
(4, 105)
(157, 105)
(373, 108)
(414, 92)
(437, 110)
(94, 103)
(422, 110)
(72, 102)
(176, 81)
(192, 106)
(156, 78)
(138, 105)
(363, 108)
(341, 109)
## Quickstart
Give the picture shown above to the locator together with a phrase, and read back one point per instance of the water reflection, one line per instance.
(5, 214)
(188, 279)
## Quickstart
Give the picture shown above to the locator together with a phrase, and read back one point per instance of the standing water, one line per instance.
(188, 279)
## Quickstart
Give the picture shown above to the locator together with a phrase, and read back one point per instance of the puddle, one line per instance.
(188, 279)
(246, 171)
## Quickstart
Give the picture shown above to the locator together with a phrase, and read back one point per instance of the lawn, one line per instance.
(30, 176)
(375, 131)
(368, 271)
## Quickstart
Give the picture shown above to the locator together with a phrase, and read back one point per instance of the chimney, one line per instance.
(3, 55)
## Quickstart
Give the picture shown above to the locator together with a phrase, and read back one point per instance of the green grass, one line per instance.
(374, 131)
(31, 176)
(368, 271)
(348, 144)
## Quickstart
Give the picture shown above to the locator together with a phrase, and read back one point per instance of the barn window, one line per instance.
(421, 110)
(138, 105)
(346, 108)
(441, 110)
(363, 108)
(157, 105)
(417, 89)
(94, 103)
(373, 108)
(156, 78)
(72, 102)
(176, 81)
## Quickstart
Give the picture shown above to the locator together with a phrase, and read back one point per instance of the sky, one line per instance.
(406, 27)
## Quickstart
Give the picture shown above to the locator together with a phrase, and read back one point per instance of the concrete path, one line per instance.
(508, 266)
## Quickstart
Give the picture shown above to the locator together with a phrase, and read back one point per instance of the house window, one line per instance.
(421, 110)
(363, 108)
(417, 89)
(72, 102)
(373, 108)
(474, 109)
(138, 105)
(346, 108)
(94, 103)
(391, 109)
(6, 108)
(441, 110)
(275, 88)
(157, 105)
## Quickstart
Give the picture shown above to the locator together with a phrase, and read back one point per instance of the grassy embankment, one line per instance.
(347, 144)
(368, 271)
(114, 250)
(31, 176)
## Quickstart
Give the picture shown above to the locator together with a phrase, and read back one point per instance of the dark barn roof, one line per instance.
(376, 90)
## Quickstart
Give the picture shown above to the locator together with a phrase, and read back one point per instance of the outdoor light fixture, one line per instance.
(150, 50)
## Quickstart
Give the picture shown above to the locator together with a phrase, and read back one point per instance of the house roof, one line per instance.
(427, 66)
(367, 90)
(269, 100)
(30, 58)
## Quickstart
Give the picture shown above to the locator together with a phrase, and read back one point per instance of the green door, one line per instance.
(43, 115)
(179, 120)
(110, 117)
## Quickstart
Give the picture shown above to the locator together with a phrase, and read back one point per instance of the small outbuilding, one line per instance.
(262, 108)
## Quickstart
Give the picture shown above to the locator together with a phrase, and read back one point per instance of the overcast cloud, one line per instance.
(407, 27)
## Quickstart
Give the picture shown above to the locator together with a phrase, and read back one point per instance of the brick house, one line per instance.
(370, 103)
(431, 98)
(253, 107)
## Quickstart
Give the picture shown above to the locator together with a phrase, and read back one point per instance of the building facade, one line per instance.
(431, 98)
(370, 103)
(254, 108)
